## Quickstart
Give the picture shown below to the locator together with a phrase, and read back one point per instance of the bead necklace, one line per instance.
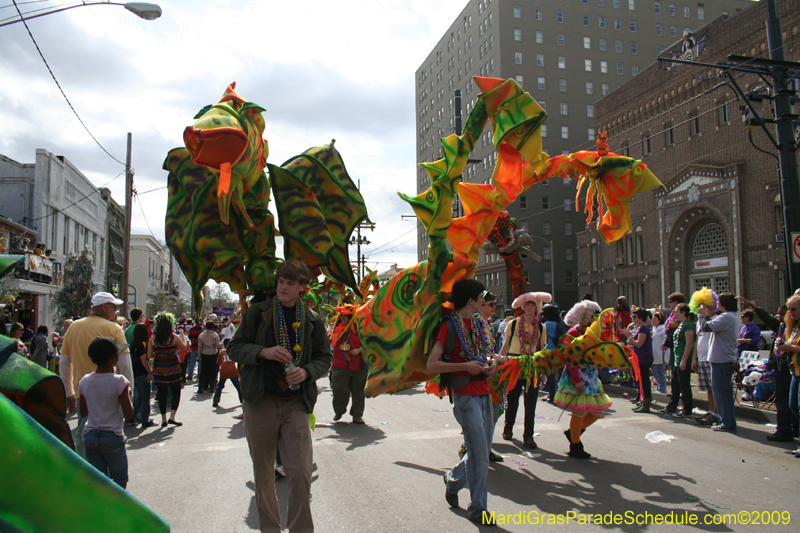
(282, 329)
(487, 330)
(531, 340)
(473, 342)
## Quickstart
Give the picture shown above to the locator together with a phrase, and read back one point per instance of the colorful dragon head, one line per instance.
(227, 138)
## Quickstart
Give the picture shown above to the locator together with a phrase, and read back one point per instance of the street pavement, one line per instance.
(386, 476)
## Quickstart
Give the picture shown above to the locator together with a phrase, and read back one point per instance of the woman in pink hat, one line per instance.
(524, 335)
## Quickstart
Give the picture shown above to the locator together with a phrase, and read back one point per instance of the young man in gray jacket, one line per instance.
(282, 350)
(723, 356)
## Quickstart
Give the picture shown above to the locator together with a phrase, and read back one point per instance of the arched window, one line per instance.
(710, 240)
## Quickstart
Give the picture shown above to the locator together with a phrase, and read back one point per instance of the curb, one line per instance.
(762, 416)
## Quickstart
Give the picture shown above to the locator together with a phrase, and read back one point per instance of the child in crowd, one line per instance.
(104, 401)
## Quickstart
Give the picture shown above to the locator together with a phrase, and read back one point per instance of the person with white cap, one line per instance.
(74, 361)
(524, 335)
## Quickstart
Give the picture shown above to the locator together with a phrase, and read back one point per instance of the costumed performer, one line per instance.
(579, 389)
(467, 365)
(348, 372)
(524, 335)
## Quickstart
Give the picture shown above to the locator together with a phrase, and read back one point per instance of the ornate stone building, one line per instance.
(717, 222)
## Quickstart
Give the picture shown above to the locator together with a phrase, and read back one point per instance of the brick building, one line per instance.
(718, 221)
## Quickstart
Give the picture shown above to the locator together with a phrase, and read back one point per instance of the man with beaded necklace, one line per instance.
(282, 349)
(469, 363)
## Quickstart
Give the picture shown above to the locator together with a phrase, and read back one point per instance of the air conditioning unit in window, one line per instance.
(779, 237)
(620, 261)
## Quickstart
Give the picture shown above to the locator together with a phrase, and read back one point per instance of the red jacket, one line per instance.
(346, 360)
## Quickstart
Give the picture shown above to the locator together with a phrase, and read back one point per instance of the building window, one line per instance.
(724, 118)
(659, 49)
(590, 134)
(604, 89)
(639, 249)
(543, 130)
(601, 3)
(545, 202)
(620, 69)
(560, 39)
(710, 240)
(568, 254)
(590, 111)
(565, 132)
(594, 257)
(695, 124)
(604, 67)
(545, 228)
(701, 13)
(589, 87)
(518, 58)
(538, 14)
(518, 34)
(520, 79)
(564, 108)
(562, 62)
(567, 228)
(601, 22)
(602, 45)
(632, 26)
(547, 280)
(587, 65)
(631, 5)
(587, 43)
(539, 37)
(617, 24)
(518, 12)
(673, 31)
(566, 181)
(646, 144)
(658, 29)
(634, 48)
(586, 21)
(539, 60)
(546, 253)
(560, 17)
(523, 202)
(687, 12)
(669, 136)
(618, 46)
(616, 4)
(672, 10)
(570, 277)
(657, 7)
(634, 69)
(567, 204)
(540, 83)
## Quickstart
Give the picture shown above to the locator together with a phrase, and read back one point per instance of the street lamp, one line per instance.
(552, 263)
(142, 10)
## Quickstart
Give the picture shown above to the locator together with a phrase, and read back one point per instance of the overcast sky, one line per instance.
(322, 69)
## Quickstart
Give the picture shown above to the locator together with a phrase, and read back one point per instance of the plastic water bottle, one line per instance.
(289, 367)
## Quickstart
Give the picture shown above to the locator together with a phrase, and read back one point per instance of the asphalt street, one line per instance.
(386, 476)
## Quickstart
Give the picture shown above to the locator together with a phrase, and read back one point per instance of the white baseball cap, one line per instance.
(101, 298)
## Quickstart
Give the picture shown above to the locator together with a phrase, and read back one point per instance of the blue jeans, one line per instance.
(794, 396)
(474, 413)
(190, 369)
(661, 378)
(221, 385)
(141, 399)
(105, 450)
(722, 387)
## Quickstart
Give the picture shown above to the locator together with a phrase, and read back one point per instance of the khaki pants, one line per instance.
(285, 423)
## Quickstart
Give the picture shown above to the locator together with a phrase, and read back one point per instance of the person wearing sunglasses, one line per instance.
(788, 425)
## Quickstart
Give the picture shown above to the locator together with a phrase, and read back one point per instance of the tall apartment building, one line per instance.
(568, 54)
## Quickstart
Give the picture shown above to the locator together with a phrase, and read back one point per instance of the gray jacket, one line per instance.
(251, 337)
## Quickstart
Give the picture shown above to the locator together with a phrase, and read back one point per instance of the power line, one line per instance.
(96, 190)
(59, 86)
(141, 207)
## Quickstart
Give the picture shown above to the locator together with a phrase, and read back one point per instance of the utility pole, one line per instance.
(784, 92)
(126, 243)
(359, 240)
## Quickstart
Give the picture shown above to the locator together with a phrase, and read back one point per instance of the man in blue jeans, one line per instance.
(723, 355)
(467, 365)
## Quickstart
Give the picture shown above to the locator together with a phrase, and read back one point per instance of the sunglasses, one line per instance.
(793, 309)
(491, 304)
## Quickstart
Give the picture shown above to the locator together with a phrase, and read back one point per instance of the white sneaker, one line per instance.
(280, 471)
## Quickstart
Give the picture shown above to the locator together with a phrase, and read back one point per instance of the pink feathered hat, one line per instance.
(538, 297)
